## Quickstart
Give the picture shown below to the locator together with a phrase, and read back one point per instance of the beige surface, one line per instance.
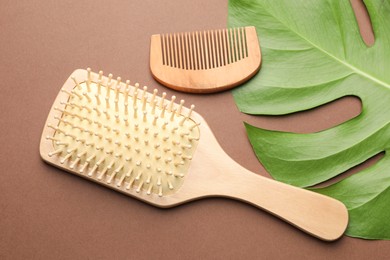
(47, 213)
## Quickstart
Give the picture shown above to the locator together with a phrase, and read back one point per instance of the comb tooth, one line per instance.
(187, 51)
(237, 44)
(211, 52)
(245, 42)
(193, 44)
(206, 50)
(196, 50)
(220, 48)
(193, 63)
(181, 44)
(240, 43)
(227, 46)
(243, 45)
(206, 53)
(209, 44)
(160, 191)
(190, 48)
(214, 61)
(233, 44)
(172, 39)
(217, 48)
(200, 51)
(169, 50)
(182, 53)
(238, 40)
(100, 75)
(174, 49)
(162, 48)
(67, 157)
(178, 51)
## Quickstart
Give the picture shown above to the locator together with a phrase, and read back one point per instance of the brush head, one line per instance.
(120, 135)
(205, 62)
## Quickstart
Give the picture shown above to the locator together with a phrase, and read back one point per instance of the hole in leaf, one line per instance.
(310, 121)
(369, 162)
(364, 21)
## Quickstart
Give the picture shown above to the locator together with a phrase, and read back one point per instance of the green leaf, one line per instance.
(313, 54)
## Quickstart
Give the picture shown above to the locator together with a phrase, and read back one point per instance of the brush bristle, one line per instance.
(124, 136)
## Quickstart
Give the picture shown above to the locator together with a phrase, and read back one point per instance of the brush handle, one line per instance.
(316, 214)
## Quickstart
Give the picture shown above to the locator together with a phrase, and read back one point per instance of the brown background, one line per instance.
(46, 213)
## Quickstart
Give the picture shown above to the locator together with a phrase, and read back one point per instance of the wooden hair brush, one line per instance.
(205, 62)
(163, 153)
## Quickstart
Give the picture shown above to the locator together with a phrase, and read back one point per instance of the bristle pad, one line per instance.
(125, 137)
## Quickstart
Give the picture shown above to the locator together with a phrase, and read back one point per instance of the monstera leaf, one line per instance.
(313, 54)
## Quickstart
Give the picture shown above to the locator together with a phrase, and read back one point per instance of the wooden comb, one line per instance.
(205, 62)
(163, 153)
